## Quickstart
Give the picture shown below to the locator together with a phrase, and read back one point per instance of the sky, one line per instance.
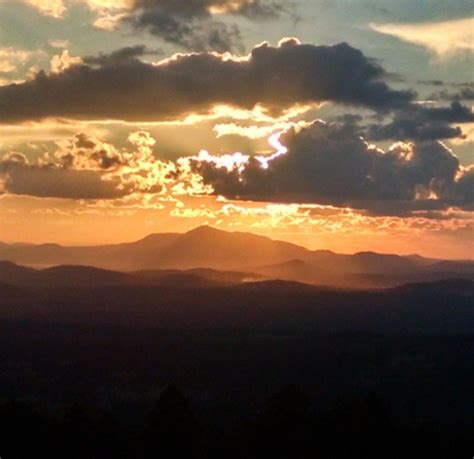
(344, 125)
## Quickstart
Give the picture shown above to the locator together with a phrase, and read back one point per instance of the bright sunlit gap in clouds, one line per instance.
(274, 141)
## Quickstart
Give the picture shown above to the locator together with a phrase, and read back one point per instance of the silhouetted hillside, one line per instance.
(86, 276)
(58, 276)
(211, 275)
(10, 291)
(12, 273)
(187, 301)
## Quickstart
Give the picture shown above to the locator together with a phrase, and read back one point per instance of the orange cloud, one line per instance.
(64, 61)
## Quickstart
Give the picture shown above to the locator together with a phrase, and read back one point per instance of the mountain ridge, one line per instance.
(206, 247)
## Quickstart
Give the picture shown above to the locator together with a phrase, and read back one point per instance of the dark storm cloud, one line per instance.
(406, 129)
(47, 181)
(421, 123)
(191, 24)
(329, 165)
(192, 35)
(274, 77)
(464, 191)
(455, 113)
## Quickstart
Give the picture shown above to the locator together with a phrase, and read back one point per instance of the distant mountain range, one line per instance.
(14, 275)
(213, 300)
(214, 279)
(209, 256)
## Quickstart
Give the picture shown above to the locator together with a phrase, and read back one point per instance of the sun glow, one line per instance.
(235, 161)
(274, 141)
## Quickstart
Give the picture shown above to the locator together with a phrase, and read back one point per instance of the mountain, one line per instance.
(15, 276)
(201, 247)
(235, 252)
(344, 273)
(209, 247)
(452, 267)
(10, 273)
(56, 276)
(126, 256)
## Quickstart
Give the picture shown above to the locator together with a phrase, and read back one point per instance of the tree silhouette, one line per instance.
(172, 426)
(283, 425)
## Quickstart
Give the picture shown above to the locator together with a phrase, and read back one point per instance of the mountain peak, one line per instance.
(205, 230)
(202, 228)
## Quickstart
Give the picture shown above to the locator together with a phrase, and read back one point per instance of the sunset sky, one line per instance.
(335, 124)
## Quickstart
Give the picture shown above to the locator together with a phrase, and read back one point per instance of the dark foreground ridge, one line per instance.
(201, 299)
(241, 347)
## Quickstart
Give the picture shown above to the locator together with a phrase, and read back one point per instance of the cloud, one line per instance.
(64, 61)
(20, 177)
(87, 153)
(413, 129)
(431, 82)
(465, 187)
(423, 123)
(14, 62)
(253, 9)
(189, 24)
(313, 164)
(108, 5)
(11, 58)
(59, 43)
(455, 113)
(253, 131)
(325, 164)
(53, 8)
(81, 168)
(193, 25)
(445, 38)
(87, 168)
(276, 78)
(463, 91)
(118, 56)
(192, 35)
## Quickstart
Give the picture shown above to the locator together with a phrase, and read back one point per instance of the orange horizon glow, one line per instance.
(338, 230)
